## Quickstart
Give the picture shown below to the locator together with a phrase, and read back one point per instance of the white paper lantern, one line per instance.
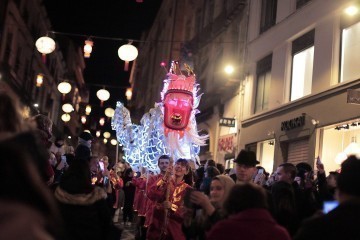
(109, 112)
(65, 117)
(88, 48)
(103, 95)
(45, 45)
(67, 108)
(113, 142)
(88, 110)
(127, 53)
(64, 87)
(107, 135)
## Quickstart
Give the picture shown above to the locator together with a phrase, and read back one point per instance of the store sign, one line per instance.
(227, 122)
(227, 143)
(293, 123)
(353, 96)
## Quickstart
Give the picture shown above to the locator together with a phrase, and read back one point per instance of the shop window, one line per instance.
(266, 154)
(302, 66)
(336, 143)
(263, 70)
(350, 53)
(268, 14)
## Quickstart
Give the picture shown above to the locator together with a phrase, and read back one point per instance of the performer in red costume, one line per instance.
(175, 186)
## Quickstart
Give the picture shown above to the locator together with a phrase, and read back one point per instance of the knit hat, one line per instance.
(86, 136)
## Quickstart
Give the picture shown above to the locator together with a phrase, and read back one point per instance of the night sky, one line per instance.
(125, 19)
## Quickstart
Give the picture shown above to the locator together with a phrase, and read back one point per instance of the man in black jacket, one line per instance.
(343, 222)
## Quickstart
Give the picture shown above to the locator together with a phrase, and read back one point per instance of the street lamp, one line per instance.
(229, 69)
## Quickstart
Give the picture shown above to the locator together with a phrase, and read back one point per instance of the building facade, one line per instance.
(294, 92)
(207, 35)
(302, 81)
(22, 23)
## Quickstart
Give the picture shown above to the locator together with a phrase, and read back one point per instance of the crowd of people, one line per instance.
(52, 192)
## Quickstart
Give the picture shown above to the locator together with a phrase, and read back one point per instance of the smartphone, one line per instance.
(318, 161)
(101, 165)
(260, 171)
(106, 181)
(329, 205)
(187, 201)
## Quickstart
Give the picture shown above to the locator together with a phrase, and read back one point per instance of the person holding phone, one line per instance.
(211, 208)
(342, 222)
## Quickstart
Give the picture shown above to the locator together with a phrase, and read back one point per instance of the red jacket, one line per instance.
(157, 227)
(251, 224)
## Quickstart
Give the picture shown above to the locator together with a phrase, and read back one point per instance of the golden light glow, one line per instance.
(113, 142)
(83, 119)
(105, 141)
(102, 121)
(88, 48)
(351, 10)
(65, 117)
(229, 69)
(98, 133)
(39, 80)
(109, 112)
(88, 110)
(128, 94)
(107, 135)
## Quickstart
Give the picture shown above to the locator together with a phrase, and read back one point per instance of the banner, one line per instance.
(227, 143)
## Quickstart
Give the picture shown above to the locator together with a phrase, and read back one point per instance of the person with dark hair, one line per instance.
(326, 185)
(342, 222)
(129, 190)
(291, 204)
(209, 163)
(163, 164)
(245, 168)
(221, 168)
(248, 217)
(168, 194)
(286, 197)
(83, 150)
(199, 177)
(83, 205)
(210, 173)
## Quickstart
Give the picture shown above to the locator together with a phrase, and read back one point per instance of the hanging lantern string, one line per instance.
(96, 37)
(128, 39)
